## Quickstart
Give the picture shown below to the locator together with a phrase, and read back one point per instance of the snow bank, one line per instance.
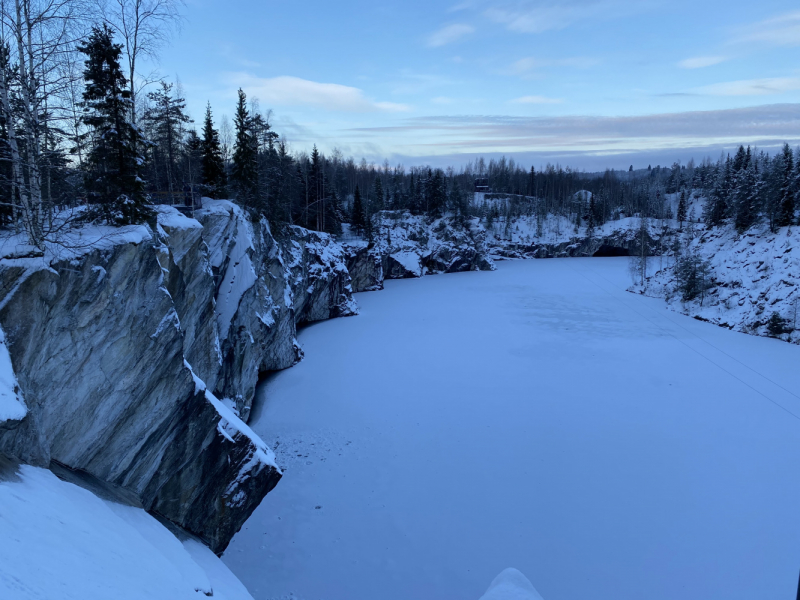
(511, 585)
(61, 541)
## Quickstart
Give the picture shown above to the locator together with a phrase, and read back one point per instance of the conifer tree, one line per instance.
(590, 221)
(745, 189)
(213, 166)
(681, 210)
(244, 172)
(112, 165)
(378, 192)
(357, 218)
(787, 199)
(166, 115)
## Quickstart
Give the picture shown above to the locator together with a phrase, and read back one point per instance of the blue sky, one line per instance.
(589, 83)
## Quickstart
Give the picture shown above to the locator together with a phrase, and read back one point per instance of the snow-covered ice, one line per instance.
(538, 416)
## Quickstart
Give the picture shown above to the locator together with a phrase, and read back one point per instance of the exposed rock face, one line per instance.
(320, 281)
(117, 349)
(366, 268)
(407, 246)
(253, 303)
(623, 238)
(413, 244)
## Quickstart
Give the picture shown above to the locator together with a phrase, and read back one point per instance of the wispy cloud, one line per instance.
(294, 91)
(700, 62)
(526, 65)
(752, 87)
(782, 30)
(765, 125)
(449, 34)
(538, 16)
(536, 100)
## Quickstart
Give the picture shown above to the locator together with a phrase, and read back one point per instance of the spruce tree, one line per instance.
(745, 192)
(213, 166)
(357, 218)
(787, 199)
(112, 164)
(682, 210)
(244, 172)
(378, 191)
(590, 221)
(166, 116)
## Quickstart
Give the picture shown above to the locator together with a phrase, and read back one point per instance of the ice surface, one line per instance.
(538, 416)
(61, 542)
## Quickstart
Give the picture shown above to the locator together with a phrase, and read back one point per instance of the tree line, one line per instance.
(80, 126)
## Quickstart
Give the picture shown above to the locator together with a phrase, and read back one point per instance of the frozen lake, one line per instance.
(537, 417)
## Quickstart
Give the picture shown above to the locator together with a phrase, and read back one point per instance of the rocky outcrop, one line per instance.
(408, 246)
(319, 279)
(137, 353)
(366, 268)
(752, 278)
(254, 311)
(615, 238)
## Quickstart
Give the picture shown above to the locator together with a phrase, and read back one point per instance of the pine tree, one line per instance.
(112, 165)
(682, 210)
(244, 173)
(213, 166)
(787, 199)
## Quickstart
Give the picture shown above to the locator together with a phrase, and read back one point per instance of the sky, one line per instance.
(586, 83)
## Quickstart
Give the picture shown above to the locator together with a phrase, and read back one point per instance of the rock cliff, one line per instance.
(135, 356)
(407, 246)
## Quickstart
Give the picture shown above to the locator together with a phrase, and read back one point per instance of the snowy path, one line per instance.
(538, 417)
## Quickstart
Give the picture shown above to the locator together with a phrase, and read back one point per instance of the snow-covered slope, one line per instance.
(60, 541)
(753, 275)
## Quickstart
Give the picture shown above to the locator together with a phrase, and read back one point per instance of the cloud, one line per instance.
(767, 126)
(449, 34)
(538, 16)
(783, 30)
(536, 100)
(752, 87)
(528, 64)
(293, 91)
(699, 62)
